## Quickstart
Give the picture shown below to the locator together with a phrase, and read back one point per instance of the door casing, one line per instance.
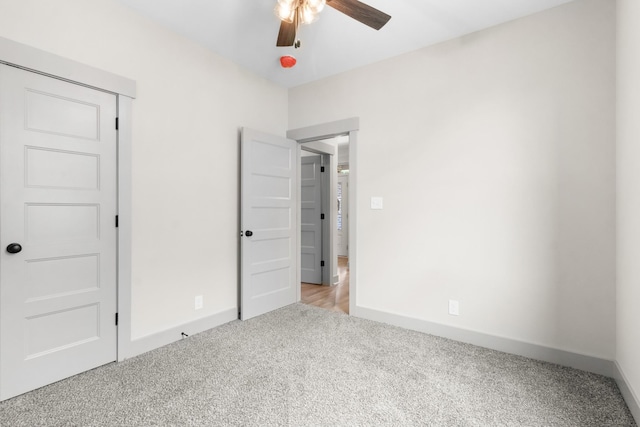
(345, 214)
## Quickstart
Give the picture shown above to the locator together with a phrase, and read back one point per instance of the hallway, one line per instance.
(335, 298)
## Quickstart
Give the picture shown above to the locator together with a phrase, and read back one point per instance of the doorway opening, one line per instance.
(331, 291)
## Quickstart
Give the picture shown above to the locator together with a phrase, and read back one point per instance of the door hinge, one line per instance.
(117, 123)
(321, 263)
(321, 216)
(321, 168)
(116, 221)
(116, 319)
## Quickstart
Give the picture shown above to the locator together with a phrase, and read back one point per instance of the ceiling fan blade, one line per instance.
(287, 34)
(361, 12)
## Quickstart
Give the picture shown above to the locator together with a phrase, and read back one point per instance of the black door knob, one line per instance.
(14, 248)
(248, 233)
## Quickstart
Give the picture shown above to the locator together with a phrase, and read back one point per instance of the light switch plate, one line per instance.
(376, 203)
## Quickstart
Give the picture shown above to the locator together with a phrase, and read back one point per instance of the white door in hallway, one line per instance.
(342, 233)
(58, 234)
(310, 220)
(268, 223)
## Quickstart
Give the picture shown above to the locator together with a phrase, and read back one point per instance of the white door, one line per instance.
(58, 202)
(343, 216)
(310, 220)
(268, 223)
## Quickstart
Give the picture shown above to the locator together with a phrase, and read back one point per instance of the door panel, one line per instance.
(61, 169)
(72, 222)
(310, 222)
(58, 115)
(268, 213)
(50, 277)
(58, 194)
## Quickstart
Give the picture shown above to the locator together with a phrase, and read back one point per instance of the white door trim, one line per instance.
(42, 62)
(344, 179)
(45, 63)
(125, 210)
(348, 126)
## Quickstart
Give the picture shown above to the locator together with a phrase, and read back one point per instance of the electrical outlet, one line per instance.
(376, 203)
(199, 302)
(454, 307)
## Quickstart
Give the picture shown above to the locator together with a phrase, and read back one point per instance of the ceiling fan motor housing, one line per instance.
(292, 13)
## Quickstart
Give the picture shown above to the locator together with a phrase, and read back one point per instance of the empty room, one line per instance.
(461, 177)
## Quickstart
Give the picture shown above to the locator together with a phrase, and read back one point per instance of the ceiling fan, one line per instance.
(292, 13)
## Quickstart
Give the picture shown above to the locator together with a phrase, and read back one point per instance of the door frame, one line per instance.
(345, 209)
(350, 127)
(328, 251)
(323, 159)
(41, 62)
(328, 248)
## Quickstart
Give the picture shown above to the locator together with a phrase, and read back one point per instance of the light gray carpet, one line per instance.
(304, 366)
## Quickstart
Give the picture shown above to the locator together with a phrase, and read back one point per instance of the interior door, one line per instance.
(310, 220)
(58, 235)
(268, 223)
(342, 233)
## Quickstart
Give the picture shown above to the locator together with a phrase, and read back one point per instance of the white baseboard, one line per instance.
(627, 392)
(520, 348)
(157, 340)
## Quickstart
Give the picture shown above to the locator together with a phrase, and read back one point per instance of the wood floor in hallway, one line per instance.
(334, 298)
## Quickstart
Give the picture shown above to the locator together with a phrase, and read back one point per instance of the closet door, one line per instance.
(57, 230)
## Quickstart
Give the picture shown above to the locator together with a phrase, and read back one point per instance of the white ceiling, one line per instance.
(245, 31)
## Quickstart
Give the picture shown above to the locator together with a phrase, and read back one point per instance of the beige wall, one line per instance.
(628, 110)
(495, 155)
(185, 156)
